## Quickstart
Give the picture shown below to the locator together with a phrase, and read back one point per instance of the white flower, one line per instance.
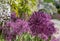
(4, 11)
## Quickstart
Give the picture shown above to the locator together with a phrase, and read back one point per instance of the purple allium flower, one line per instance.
(40, 23)
(13, 28)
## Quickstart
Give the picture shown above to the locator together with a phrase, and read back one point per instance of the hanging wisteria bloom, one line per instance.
(40, 23)
(15, 27)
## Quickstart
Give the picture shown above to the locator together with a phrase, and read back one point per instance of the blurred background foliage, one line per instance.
(22, 7)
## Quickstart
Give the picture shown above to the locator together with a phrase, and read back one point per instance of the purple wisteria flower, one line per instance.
(40, 23)
(15, 27)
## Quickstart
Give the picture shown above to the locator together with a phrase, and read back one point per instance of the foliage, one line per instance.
(22, 6)
(58, 11)
(57, 3)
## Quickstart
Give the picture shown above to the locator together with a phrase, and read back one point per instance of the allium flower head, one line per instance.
(13, 28)
(40, 23)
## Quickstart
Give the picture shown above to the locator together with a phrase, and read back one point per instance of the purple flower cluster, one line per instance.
(40, 23)
(15, 27)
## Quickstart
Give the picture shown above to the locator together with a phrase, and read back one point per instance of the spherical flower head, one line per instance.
(13, 28)
(22, 26)
(40, 23)
(8, 32)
